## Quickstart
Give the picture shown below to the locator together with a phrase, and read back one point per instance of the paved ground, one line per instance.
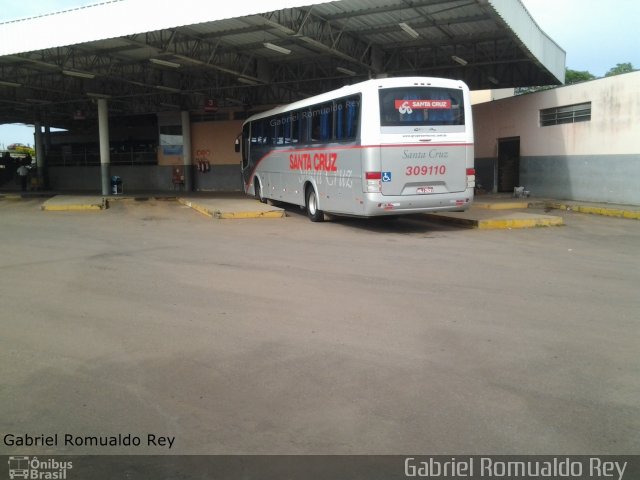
(284, 336)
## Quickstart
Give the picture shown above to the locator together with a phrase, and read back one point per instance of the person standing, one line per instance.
(23, 173)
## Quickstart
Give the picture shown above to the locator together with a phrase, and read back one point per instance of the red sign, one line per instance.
(210, 105)
(407, 106)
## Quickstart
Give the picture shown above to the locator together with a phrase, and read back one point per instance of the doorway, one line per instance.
(508, 164)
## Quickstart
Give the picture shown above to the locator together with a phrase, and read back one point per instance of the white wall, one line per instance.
(481, 96)
(614, 127)
(596, 160)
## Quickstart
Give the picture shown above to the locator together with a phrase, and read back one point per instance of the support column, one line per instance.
(186, 151)
(105, 159)
(47, 139)
(39, 145)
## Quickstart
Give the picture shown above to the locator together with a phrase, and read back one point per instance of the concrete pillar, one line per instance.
(186, 151)
(105, 158)
(47, 139)
(39, 145)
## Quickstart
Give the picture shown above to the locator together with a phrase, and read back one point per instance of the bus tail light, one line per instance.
(471, 177)
(374, 181)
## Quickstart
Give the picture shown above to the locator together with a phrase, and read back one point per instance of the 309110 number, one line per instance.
(425, 170)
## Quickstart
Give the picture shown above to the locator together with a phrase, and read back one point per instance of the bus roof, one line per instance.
(357, 88)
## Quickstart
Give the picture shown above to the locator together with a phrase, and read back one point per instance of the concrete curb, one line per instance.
(498, 222)
(58, 204)
(239, 215)
(594, 210)
(233, 213)
(514, 205)
(506, 224)
(10, 197)
(196, 207)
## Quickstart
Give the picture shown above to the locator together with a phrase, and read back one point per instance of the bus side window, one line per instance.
(303, 125)
(294, 127)
(263, 127)
(257, 132)
(322, 122)
(285, 125)
(343, 123)
(273, 131)
(352, 117)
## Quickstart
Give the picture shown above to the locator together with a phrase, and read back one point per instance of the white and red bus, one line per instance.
(381, 147)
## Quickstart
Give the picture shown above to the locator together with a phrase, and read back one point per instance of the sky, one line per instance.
(595, 34)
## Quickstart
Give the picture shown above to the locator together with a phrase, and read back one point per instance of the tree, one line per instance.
(575, 76)
(570, 77)
(619, 68)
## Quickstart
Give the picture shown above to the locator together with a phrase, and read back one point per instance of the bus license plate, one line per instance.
(423, 190)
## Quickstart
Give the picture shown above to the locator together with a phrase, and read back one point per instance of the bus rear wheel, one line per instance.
(313, 213)
(258, 190)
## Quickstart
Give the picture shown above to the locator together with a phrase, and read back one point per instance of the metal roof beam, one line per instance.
(299, 25)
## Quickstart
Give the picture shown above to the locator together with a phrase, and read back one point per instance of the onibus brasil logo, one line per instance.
(33, 468)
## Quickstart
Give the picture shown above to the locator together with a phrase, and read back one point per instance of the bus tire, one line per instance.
(258, 189)
(314, 214)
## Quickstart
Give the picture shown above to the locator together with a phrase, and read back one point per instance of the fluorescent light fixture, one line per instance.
(4, 83)
(247, 81)
(346, 71)
(97, 95)
(493, 80)
(233, 101)
(409, 30)
(76, 73)
(277, 48)
(168, 89)
(459, 60)
(164, 63)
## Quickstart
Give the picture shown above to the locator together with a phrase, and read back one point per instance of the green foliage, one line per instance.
(523, 90)
(620, 68)
(575, 76)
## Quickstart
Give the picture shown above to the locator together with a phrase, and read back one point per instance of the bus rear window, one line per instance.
(420, 106)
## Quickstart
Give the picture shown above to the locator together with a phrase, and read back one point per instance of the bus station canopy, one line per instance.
(148, 57)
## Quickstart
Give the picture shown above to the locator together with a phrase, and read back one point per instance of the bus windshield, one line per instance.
(421, 106)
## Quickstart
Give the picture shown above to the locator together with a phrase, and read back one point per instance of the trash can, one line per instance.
(116, 185)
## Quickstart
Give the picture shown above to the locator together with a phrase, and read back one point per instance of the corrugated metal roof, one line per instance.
(538, 43)
(177, 52)
(121, 18)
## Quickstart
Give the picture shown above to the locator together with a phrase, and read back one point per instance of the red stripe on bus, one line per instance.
(352, 147)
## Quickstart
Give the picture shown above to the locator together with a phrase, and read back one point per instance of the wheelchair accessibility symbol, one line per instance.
(386, 176)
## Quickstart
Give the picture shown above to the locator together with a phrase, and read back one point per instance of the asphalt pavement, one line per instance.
(279, 335)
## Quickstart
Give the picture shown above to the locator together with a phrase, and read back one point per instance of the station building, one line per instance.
(576, 142)
(159, 95)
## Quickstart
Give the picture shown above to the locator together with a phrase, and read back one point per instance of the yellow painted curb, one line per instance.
(231, 215)
(70, 208)
(196, 207)
(607, 212)
(505, 224)
(502, 205)
(499, 223)
(236, 215)
(12, 197)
